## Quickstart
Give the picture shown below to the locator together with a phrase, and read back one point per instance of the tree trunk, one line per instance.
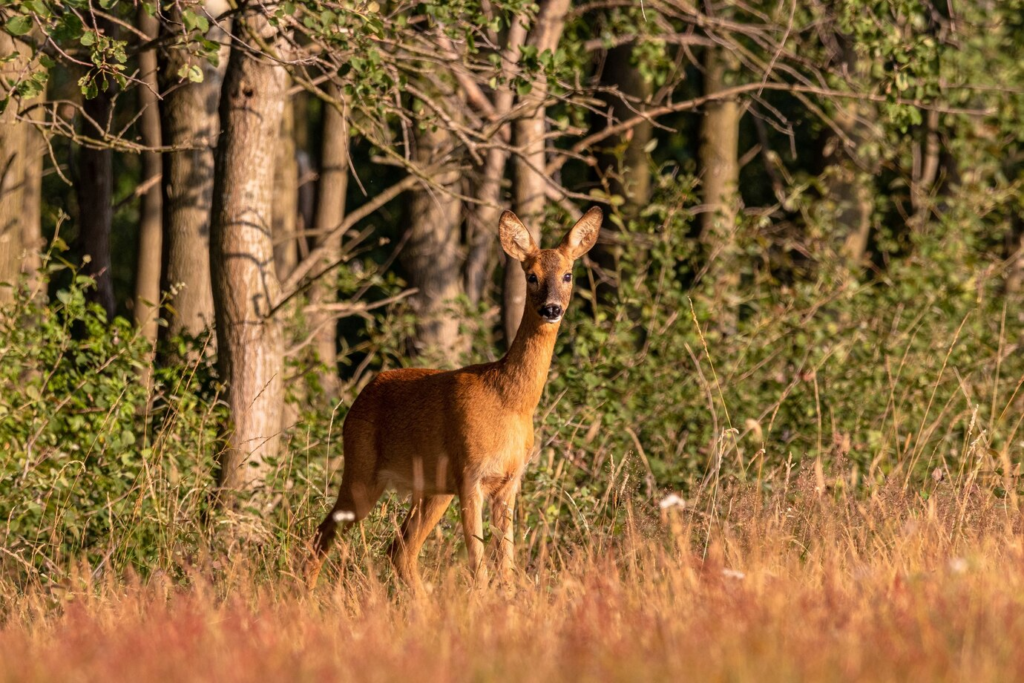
(483, 218)
(720, 180)
(627, 170)
(530, 181)
(630, 176)
(432, 253)
(852, 170)
(925, 171)
(13, 148)
(330, 211)
(95, 188)
(286, 198)
(32, 223)
(245, 284)
(147, 271)
(189, 123)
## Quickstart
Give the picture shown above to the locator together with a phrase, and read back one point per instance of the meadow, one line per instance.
(780, 437)
(808, 584)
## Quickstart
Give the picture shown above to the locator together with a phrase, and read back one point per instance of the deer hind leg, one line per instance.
(423, 516)
(355, 500)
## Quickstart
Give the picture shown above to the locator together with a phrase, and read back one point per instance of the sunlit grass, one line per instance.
(803, 584)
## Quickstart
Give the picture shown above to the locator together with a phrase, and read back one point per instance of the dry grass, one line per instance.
(803, 585)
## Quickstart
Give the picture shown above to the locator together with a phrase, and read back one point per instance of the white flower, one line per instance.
(344, 516)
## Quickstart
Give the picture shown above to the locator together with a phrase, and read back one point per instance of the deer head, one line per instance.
(549, 271)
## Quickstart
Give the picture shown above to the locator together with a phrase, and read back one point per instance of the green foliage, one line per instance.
(94, 462)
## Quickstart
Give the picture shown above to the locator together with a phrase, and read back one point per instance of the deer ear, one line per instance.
(582, 237)
(515, 238)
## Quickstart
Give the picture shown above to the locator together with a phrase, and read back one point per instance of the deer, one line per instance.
(469, 433)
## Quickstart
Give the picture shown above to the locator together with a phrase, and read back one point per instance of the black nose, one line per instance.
(550, 311)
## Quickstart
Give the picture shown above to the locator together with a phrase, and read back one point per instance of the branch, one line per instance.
(728, 93)
(290, 286)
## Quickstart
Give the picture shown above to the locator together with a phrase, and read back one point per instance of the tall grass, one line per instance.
(807, 584)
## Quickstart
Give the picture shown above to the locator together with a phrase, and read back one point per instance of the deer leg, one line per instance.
(423, 516)
(471, 501)
(503, 508)
(355, 500)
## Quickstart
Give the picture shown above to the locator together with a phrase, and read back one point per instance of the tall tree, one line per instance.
(245, 283)
(719, 162)
(483, 216)
(147, 270)
(852, 164)
(531, 181)
(190, 125)
(13, 149)
(626, 168)
(32, 220)
(330, 211)
(95, 186)
(432, 252)
(286, 197)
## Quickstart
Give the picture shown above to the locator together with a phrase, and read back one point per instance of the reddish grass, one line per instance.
(890, 588)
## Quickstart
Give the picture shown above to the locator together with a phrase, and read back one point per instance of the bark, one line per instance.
(189, 123)
(32, 223)
(530, 179)
(925, 171)
(483, 219)
(432, 253)
(95, 189)
(245, 284)
(13, 148)
(330, 211)
(631, 177)
(286, 198)
(627, 169)
(850, 181)
(147, 271)
(720, 182)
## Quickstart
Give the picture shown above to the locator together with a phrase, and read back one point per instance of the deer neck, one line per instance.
(522, 373)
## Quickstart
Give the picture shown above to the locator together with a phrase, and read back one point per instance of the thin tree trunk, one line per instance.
(32, 224)
(286, 198)
(189, 123)
(530, 181)
(13, 148)
(147, 271)
(631, 176)
(483, 219)
(432, 253)
(720, 180)
(330, 211)
(627, 171)
(925, 171)
(245, 284)
(850, 180)
(95, 188)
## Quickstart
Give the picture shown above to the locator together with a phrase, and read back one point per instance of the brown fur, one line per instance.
(466, 432)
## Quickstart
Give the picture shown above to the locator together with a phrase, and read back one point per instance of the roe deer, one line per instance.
(466, 432)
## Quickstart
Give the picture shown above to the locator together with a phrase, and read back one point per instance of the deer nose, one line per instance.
(551, 312)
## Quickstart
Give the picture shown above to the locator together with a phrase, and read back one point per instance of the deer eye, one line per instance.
(567, 277)
(531, 278)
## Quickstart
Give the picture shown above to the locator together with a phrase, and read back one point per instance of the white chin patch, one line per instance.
(553, 320)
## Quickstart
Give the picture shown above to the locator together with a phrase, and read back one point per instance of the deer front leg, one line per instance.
(471, 501)
(503, 508)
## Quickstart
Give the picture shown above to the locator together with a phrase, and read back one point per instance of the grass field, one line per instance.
(805, 584)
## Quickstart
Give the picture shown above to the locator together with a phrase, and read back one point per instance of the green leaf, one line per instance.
(18, 25)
